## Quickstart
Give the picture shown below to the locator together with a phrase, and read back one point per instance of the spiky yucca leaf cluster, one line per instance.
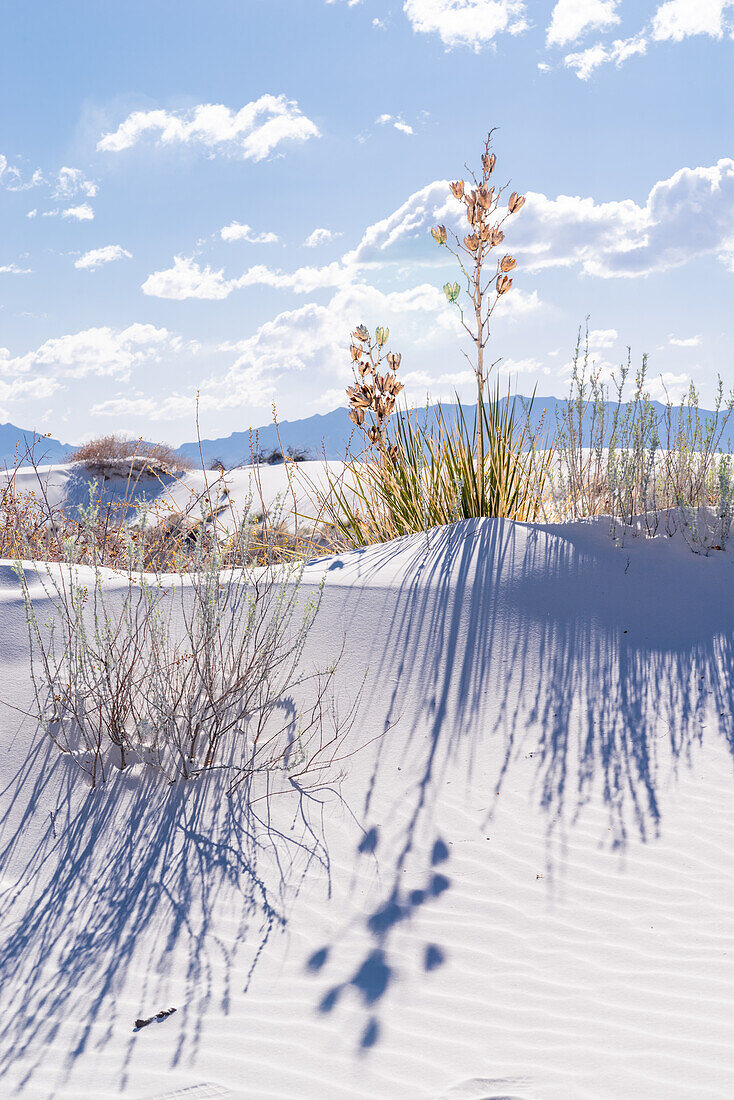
(429, 478)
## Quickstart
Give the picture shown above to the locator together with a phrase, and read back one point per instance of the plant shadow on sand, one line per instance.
(550, 644)
(133, 873)
(499, 641)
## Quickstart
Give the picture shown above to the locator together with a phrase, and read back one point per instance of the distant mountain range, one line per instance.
(17, 441)
(328, 434)
(316, 436)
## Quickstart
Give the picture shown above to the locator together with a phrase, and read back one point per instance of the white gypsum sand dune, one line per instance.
(520, 887)
(274, 489)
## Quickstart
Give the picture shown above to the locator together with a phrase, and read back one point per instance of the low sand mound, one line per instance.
(128, 487)
(520, 888)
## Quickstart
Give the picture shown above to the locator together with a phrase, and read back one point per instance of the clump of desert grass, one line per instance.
(649, 472)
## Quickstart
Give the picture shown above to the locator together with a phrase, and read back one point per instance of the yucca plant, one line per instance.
(426, 475)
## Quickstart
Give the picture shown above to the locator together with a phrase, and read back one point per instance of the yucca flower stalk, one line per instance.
(486, 213)
(373, 394)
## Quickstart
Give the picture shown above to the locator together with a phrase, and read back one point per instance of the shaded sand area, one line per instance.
(521, 886)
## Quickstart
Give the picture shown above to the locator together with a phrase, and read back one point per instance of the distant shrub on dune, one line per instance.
(118, 454)
(275, 457)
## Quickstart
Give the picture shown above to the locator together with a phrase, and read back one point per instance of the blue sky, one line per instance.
(206, 197)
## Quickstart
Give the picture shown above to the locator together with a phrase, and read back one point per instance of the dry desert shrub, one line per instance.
(117, 454)
(183, 674)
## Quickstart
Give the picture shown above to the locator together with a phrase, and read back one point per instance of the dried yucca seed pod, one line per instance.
(360, 396)
(508, 263)
(488, 162)
(439, 234)
(362, 333)
(356, 351)
(392, 452)
(504, 282)
(393, 360)
(497, 237)
(357, 417)
(457, 189)
(373, 435)
(472, 242)
(516, 201)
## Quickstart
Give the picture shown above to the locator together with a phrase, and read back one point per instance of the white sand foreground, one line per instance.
(523, 889)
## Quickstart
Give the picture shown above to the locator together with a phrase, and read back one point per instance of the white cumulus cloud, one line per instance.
(253, 132)
(11, 177)
(603, 338)
(679, 19)
(95, 351)
(81, 213)
(320, 236)
(396, 122)
(71, 182)
(96, 257)
(685, 341)
(237, 232)
(472, 23)
(688, 215)
(572, 18)
(586, 62)
(186, 279)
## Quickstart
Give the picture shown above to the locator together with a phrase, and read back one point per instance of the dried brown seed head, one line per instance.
(356, 351)
(516, 202)
(360, 397)
(508, 263)
(488, 162)
(357, 417)
(472, 242)
(504, 282)
(457, 189)
(497, 236)
(373, 435)
(362, 333)
(393, 360)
